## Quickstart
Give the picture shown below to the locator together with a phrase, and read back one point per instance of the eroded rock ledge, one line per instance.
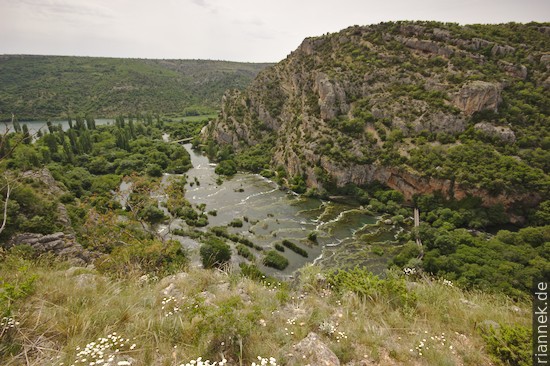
(59, 244)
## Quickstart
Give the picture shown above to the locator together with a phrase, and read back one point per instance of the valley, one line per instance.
(381, 196)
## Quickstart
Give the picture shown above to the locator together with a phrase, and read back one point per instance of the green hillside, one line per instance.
(38, 87)
(453, 120)
(422, 107)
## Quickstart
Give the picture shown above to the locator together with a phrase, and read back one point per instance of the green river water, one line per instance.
(346, 233)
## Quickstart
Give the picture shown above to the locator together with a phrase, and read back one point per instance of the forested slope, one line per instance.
(37, 87)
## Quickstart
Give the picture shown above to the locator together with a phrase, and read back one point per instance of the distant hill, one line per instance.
(37, 87)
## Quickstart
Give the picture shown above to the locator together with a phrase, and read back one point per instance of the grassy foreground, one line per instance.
(55, 312)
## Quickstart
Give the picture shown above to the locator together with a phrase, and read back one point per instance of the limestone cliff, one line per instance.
(353, 106)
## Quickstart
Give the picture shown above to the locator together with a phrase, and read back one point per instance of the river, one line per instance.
(34, 126)
(270, 215)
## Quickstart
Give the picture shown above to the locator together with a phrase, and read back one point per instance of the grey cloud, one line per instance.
(206, 5)
(65, 8)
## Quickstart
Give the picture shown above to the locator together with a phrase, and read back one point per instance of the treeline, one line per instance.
(87, 160)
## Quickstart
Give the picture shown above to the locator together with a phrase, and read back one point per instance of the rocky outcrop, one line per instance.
(51, 189)
(44, 176)
(517, 71)
(478, 96)
(503, 133)
(312, 351)
(337, 106)
(426, 46)
(59, 244)
(332, 97)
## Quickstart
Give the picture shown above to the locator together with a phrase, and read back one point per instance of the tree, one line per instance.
(122, 138)
(51, 127)
(90, 122)
(16, 125)
(85, 142)
(26, 136)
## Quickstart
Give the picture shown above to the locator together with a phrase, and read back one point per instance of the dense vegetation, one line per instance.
(40, 87)
(409, 99)
(89, 162)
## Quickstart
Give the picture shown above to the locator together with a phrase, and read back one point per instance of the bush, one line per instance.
(226, 167)
(145, 256)
(275, 260)
(236, 223)
(296, 249)
(509, 344)
(279, 247)
(251, 271)
(152, 214)
(215, 253)
(364, 283)
(154, 170)
(244, 252)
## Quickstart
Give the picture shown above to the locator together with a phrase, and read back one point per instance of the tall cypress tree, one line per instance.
(26, 136)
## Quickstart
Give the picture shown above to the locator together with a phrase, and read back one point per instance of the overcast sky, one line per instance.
(237, 30)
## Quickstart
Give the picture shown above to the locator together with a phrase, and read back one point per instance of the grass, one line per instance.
(199, 118)
(214, 314)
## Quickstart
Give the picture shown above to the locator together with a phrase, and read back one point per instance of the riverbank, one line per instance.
(267, 216)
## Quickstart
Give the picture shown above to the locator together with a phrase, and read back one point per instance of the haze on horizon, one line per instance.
(240, 30)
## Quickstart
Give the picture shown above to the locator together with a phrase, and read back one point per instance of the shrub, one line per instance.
(145, 256)
(152, 214)
(366, 284)
(214, 253)
(226, 167)
(279, 247)
(154, 170)
(296, 249)
(509, 344)
(251, 271)
(236, 223)
(275, 260)
(244, 252)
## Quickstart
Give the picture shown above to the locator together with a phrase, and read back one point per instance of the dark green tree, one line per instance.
(90, 122)
(16, 125)
(51, 143)
(215, 253)
(26, 136)
(85, 142)
(50, 126)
